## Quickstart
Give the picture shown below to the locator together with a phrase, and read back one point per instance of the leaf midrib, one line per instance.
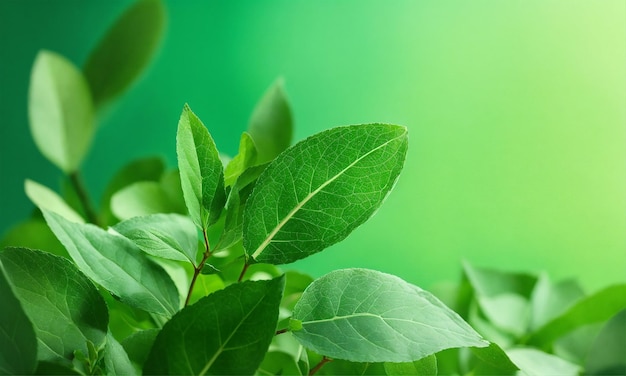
(293, 211)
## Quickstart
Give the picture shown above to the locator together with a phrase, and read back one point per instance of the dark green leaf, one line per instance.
(125, 50)
(201, 170)
(343, 367)
(118, 265)
(233, 223)
(18, 344)
(491, 360)
(51, 368)
(138, 345)
(246, 158)
(271, 124)
(533, 362)
(606, 356)
(225, 333)
(278, 363)
(142, 198)
(63, 305)
(594, 308)
(46, 198)
(424, 366)
(317, 192)
(60, 111)
(364, 315)
(115, 358)
(170, 236)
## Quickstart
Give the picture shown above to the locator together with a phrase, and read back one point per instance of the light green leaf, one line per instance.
(142, 198)
(115, 358)
(364, 315)
(487, 282)
(144, 169)
(424, 366)
(33, 233)
(246, 158)
(60, 111)
(18, 344)
(125, 50)
(201, 171)
(279, 363)
(46, 198)
(533, 362)
(491, 360)
(271, 124)
(227, 332)
(317, 192)
(606, 355)
(170, 236)
(138, 346)
(507, 312)
(117, 264)
(64, 307)
(594, 308)
(550, 299)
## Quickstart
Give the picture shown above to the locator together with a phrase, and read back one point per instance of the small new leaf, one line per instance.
(244, 159)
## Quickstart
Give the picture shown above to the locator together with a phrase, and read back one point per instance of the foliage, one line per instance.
(177, 271)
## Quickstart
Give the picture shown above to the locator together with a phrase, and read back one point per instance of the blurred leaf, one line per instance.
(118, 265)
(205, 285)
(533, 362)
(232, 336)
(64, 307)
(364, 315)
(138, 346)
(125, 50)
(244, 159)
(170, 182)
(144, 169)
(574, 346)
(233, 222)
(18, 343)
(317, 192)
(125, 320)
(271, 124)
(508, 312)
(424, 366)
(142, 198)
(201, 171)
(33, 233)
(594, 308)
(279, 363)
(551, 299)
(45, 198)
(51, 368)
(116, 360)
(170, 236)
(488, 282)
(343, 367)
(491, 360)
(606, 355)
(60, 111)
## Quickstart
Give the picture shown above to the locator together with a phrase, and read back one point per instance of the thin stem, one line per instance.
(282, 331)
(319, 365)
(198, 269)
(243, 271)
(83, 197)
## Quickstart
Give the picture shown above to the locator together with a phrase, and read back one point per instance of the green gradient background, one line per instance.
(516, 112)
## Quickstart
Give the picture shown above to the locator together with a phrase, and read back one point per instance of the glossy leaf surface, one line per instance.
(317, 192)
(225, 333)
(364, 315)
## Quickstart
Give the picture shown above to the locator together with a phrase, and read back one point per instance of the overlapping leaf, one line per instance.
(317, 192)
(46, 198)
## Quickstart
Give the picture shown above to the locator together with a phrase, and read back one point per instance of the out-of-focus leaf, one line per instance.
(142, 198)
(45, 198)
(426, 366)
(33, 233)
(508, 312)
(488, 282)
(125, 50)
(60, 111)
(551, 299)
(138, 346)
(533, 362)
(244, 159)
(279, 363)
(491, 360)
(606, 356)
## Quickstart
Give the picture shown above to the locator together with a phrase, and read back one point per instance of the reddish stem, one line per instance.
(243, 271)
(319, 365)
(198, 269)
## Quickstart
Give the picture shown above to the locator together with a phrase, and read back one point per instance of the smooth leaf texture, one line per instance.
(170, 236)
(18, 344)
(46, 198)
(225, 333)
(595, 308)
(138, 345)
(116, 360)
(606, 355)
(142, 198)
(317, 192)
(244, 159)
(550, 299)
(492, 360)
(364, 315)
(64, 306)
(271, 124)
(201, 170)
(426, 366)
(118, 265)
(60, 111)
(33, 233)
(125, 50)
(533, 362)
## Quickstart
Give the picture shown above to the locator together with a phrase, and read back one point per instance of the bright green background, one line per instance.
(516, 112)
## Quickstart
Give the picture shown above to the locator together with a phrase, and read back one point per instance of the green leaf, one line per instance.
(533, 362)
(170, 236)
(138, 346)
(424, 366)
(606, 355)
(46, 198)
(51, 368)
(115, 358)
(227, 332)
(551, 299)
(364, 315)
(118, 265)
(595, 308)
(487, 282)
(64, 306)
(279, 363)
(142, 198)
(491, 360)
(33, 233)
(507, 312)
(201, 170)
(317, 192)
(246, 158)
(271, 124)
(144, 169)
(60, 111)
(18, 344)
(125, 50)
